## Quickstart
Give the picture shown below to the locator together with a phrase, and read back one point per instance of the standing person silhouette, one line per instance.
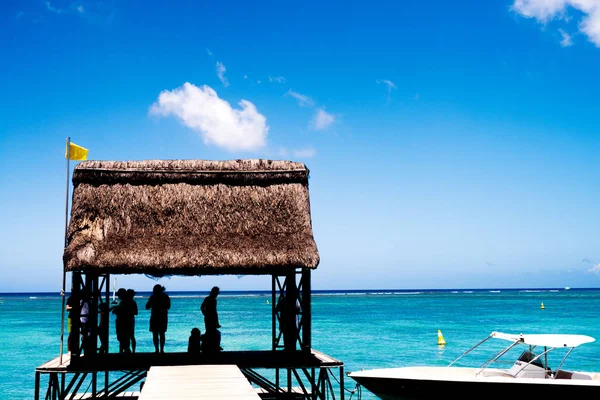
(160, 303)
(121, 321)
(103, 310)
(73, 307)
(86, 330)
(132, 311)
(209, 310)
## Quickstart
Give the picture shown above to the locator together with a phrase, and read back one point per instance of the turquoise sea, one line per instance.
(364, 329)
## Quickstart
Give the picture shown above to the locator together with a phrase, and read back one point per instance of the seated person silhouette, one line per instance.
(211, 341)
(195, 342)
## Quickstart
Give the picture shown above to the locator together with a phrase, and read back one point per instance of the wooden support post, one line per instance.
(86, 329)
(290, 328)
(274, 312)
(306, 311)
(37, 386)
(323, 378)
(55, 386)
(313, 387)
(342, 382)
(75, 324)
(93, 318)
(107, 327)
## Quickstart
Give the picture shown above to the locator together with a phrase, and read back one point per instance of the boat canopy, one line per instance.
(546, 340)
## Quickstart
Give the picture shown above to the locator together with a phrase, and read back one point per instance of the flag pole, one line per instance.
(62, 292)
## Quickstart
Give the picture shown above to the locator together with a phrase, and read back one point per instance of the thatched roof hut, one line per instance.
(190, 217)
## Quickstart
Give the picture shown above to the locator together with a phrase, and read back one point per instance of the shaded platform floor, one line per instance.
(143, 361)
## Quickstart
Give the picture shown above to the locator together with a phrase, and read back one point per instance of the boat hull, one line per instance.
(427, 387)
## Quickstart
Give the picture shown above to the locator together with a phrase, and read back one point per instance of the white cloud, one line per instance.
(545, 10)
(221, 73)
(595, 269)
(303, 101)
(53, 9)
(277, 79)
(208, 52)
(201, 109)
(322, 120)
(542, 10)
(389, 84)
(96, 13)
(566, 40)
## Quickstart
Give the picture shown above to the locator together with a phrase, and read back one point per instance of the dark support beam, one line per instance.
(274, 312)
(94, 384)
(93, 320)
(106, 327)
(89, 330)
(74, 335)
(37, 386)
(342, 382)
(306, 311)
(290, 321)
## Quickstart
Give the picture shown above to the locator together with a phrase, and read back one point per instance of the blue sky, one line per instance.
(451, 144)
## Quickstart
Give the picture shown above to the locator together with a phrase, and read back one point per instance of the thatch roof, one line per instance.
(190, 217)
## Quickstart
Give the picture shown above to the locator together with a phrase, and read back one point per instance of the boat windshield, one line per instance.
(528, 356)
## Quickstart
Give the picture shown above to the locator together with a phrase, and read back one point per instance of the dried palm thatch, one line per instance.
(190, 217)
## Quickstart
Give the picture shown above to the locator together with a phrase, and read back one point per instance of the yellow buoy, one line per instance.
(542, 307)
(441, 340)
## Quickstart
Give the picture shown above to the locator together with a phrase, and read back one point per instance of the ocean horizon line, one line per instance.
(327, 291)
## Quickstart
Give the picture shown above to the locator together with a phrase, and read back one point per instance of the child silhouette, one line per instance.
(195, 341)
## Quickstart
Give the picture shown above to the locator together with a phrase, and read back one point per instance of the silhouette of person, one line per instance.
(104, 311)
(195, 341)
(131, 311)
(289, 337)
(73, 307)
(83, 320)
(121, 321)
(160, 303)
(209, 310)
(211, 341)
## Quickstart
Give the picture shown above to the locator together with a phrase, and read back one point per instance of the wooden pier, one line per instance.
(298, 375)
(214, 382)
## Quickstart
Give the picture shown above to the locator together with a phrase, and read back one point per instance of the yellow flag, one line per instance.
(76, 152)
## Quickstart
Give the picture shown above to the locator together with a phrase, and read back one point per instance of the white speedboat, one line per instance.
(530, 376)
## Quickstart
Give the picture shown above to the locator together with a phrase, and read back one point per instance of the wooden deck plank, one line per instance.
(55, 363)
(219, 382)
(143, 361)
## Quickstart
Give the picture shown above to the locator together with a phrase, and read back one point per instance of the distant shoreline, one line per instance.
(327, 292)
